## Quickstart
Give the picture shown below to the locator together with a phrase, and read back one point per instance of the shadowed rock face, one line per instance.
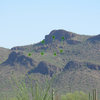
(80, 65)
(58, 35)
(18, 58)
(44, 68)
(93, 66)
(73, 42)
(72, 65)
(49, 69)
(94, 39)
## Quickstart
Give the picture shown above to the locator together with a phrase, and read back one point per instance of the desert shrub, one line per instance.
(34, 92)
(75, 96)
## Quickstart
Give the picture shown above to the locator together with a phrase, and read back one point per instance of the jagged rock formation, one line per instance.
(49, 69)
(45, 69)
(18, 58)
(93, 66)
(75, 65)
(58, 35)
(48, 40)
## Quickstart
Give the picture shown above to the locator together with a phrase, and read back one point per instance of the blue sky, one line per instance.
(24, 22)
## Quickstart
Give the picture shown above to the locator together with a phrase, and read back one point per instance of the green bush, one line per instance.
(75, 96)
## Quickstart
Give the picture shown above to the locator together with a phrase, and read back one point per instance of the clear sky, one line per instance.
(24, 22)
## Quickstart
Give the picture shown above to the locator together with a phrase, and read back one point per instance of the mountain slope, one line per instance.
(4, 54)
(72, 57)
(94, 39)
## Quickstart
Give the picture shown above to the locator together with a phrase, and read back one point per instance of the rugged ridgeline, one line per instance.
(74, 58)
(68, 38)
(94, 39)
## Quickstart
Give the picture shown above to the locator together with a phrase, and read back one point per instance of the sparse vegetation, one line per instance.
(36, 92)
(75, 60)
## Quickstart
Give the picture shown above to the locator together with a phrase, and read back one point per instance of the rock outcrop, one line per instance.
(58, 35)
(76, 65)
(18, 58)
(45, 69)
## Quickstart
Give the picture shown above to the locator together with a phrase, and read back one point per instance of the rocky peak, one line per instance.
(58, 35)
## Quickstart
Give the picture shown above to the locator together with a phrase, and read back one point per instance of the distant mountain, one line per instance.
(58, 35)
(69, 37)
(73, 58)
(94, 39)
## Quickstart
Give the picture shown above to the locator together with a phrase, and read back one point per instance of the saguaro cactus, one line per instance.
(94, 94)
(52, 94)
(89, 96)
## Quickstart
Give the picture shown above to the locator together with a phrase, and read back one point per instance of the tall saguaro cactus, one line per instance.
(52, 94)
(94, 94)
(89, 96)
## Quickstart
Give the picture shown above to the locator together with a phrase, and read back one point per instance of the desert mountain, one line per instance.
(69, 37)
(72, 57)
(58, 35)
(94, 39)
